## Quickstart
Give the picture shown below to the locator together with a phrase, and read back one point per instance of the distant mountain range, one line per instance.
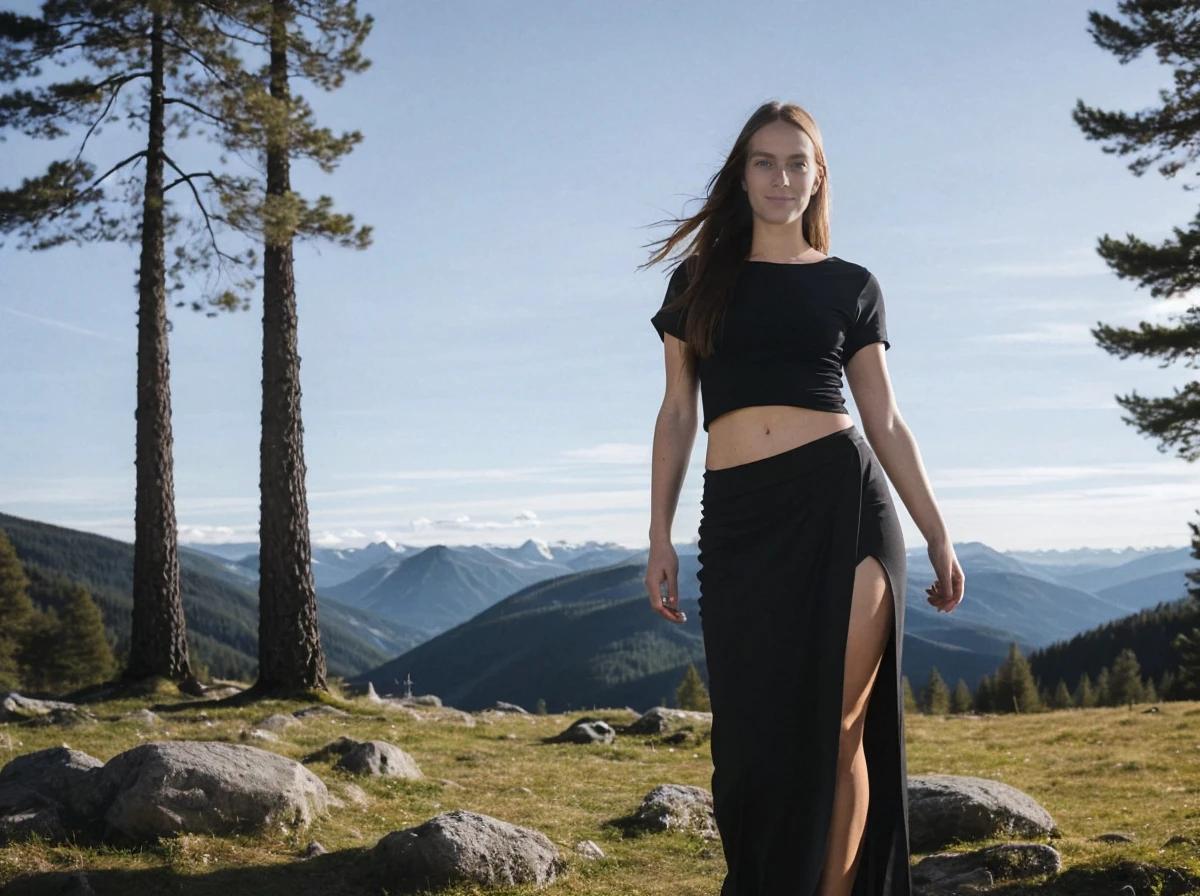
(570, 623)
(221, 611)
(591, 638)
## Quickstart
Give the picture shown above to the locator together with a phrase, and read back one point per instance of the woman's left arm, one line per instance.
(896, 448)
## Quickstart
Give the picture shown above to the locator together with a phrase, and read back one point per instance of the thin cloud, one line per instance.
(64, 325)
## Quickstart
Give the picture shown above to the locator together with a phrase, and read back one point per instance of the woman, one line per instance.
(802, 565)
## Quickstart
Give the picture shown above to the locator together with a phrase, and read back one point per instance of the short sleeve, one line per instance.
(672, 321)
(870, 322)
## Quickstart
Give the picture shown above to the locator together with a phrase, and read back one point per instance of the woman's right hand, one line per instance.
(664, 565)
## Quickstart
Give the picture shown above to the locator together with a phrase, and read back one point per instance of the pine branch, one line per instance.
(1175, 420)
(120, 82)
(182, 102)
(200, 203)
(1154, 340)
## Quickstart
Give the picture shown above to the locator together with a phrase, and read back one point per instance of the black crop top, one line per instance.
(788, 332)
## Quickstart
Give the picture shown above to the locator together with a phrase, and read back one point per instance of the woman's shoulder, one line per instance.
(853, 276)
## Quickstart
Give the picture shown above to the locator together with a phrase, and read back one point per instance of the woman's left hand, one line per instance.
(947, 592)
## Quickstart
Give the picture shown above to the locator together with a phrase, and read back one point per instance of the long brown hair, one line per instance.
(726, 228)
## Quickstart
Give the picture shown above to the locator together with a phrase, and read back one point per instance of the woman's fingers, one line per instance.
(667, 607)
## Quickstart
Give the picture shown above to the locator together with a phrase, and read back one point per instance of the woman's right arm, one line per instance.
(674, 436)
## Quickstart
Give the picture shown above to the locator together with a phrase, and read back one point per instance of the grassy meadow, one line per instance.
(1095, 770)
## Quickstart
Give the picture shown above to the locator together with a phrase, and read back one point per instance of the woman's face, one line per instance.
(781, 172)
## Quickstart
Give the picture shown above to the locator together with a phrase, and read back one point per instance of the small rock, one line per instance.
(355, 794)
(278, 722)
(418, 700)
(14, 707)
(321, 709)
(586, 731)
(142, 716)
(313, 850)
(661, 719)
(589, 849)
(501, 706)
(221, 692)
(259, 734)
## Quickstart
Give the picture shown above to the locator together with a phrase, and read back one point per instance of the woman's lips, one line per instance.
(780, 198)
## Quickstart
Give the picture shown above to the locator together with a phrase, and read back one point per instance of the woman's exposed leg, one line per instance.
(871, 625)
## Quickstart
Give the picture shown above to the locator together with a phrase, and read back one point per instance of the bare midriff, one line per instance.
(752, 433)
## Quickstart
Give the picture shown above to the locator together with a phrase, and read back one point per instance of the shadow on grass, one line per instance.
(348, 872)
(1123, 878)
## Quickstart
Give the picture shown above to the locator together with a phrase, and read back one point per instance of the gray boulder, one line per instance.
(945, 809)
(466, 847)
(158, 789)
(677, 807)
(371, 757)
(378, 757)
(48, 793)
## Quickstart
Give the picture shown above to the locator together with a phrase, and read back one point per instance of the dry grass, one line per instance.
(1094, 770)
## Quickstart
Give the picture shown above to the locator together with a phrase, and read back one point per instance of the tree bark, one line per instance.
(158, 638)
(290, 657)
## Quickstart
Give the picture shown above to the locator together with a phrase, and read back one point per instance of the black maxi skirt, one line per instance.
(779, 541)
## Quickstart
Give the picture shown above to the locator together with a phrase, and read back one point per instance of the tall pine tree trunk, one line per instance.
(290, 657)
(158, 639)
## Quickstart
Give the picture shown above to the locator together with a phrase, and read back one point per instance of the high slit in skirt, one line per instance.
(779, 541)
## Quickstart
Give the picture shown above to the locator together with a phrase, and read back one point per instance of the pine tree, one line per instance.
(1187, 643)
(936, 696)
(1014, 689)
(16, 613)
(1170, 268)
(1125, 685)
(1166, 686)
(1149, 694)
(82, 654)
(962, 701)
(691, 693)
(263, 115)
(910, 702)
(1085, 694)
(983, 694)
(127, 44)
(1103, 688)
(1061, 698)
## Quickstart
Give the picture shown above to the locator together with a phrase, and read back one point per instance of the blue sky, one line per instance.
(487, 372)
